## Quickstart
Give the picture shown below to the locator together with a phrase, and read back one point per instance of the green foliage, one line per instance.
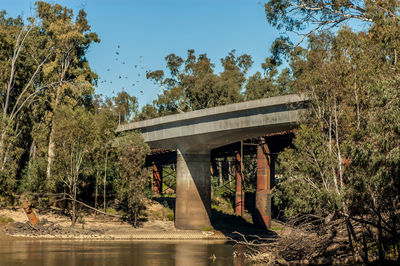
(310, 16)
(20, 56)
(345, 160)
(222, 204)
(5, 220)
(192, 83)
(132, 154)
(169, 178)
(270, 83)
(160, 213)
(74, 137)
(125, 106)
(43, 66)
(56, 136)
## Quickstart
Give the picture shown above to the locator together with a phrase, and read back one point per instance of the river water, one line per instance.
(113, 253)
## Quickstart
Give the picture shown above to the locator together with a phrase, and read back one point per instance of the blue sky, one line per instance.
(148, 30)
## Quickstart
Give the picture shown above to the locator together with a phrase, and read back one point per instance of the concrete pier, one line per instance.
(193, 190)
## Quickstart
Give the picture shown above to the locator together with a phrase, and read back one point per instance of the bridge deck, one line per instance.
(214, 127)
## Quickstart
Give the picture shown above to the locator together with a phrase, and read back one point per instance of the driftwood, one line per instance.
(302, 240)
(33, 220)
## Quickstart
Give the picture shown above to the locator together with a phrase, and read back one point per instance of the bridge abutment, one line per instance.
(193, 190)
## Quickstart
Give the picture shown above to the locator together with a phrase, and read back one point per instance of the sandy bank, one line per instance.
(55, 226)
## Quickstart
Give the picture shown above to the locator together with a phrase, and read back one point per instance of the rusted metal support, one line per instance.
(239, 193)
(33, 220)
(157, 178)
(265, 181)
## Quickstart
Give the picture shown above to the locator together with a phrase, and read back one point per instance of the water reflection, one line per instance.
(110, 253)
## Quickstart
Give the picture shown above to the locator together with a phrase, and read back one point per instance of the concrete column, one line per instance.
(193, 191)
(157, 178)
(239, 193)
(265, 180)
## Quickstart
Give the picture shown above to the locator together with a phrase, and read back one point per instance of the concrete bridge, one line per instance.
(194, 134)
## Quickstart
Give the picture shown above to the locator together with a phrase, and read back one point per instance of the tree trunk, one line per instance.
(2, 155)
(221, 181)
(381, 254)
(229, 171)
(64, 201)
(50, 153)
(365, 247)
(96, 189)
(74, 205)
(105, 182)
(349, 233)
(134, 218)
(32, 152)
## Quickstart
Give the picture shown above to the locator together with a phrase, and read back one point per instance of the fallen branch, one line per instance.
(70, 198)
(92, 208)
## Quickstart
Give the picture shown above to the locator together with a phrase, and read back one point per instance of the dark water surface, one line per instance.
(113, 253)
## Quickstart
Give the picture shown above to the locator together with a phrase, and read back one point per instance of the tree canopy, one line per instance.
(344, 161)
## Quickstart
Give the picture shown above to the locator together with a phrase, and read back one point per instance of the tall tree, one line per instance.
(268, 84)
(192, 83)
(67, 68)
(125, 106)
(22, 57)
(132, 154)
(345, 162)
(105, 125)
(74, 135)
(307, 17)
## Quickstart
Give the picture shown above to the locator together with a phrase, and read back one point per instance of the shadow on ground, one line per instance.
(166, 201)
(226, 223)
(229, 223)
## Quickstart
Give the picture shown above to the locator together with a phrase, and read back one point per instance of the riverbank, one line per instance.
(281, 244)
(55, 226)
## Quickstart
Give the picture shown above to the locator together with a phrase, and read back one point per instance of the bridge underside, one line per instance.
(193, 180)
(194, 134)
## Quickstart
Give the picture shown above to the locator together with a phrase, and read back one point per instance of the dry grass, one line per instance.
(5, 220)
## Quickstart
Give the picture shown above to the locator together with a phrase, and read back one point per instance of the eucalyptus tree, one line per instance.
(307, 17)
(192, 83)
(124, 106)
(75, 138)
(22, 58)
(105, 124)
(269, 83)
(69, 38)
(132, 151)
(345, 158)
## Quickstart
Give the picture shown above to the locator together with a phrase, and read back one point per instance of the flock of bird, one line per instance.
(136, 67)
